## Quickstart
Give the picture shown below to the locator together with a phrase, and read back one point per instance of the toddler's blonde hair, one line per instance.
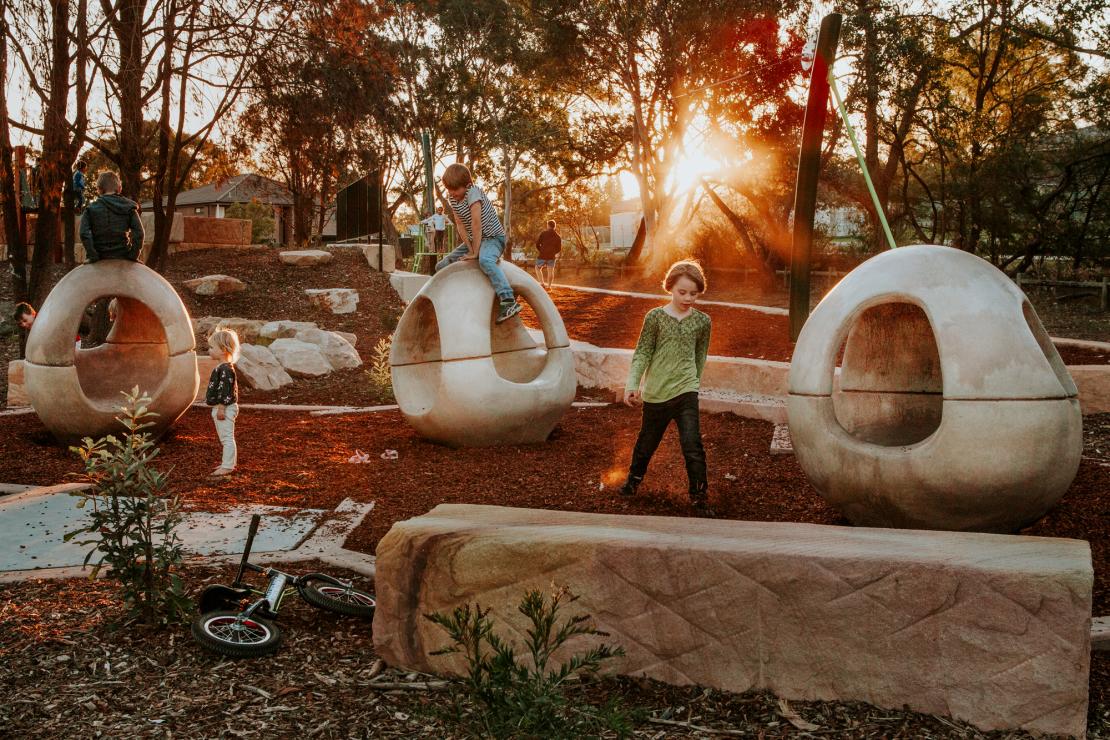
(685, 268)
(227, 342)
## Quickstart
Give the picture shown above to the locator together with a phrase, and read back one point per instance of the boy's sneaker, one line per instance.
(630, 486)
(507, 310)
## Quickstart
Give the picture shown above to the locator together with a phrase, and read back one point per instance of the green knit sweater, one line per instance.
(672, 353)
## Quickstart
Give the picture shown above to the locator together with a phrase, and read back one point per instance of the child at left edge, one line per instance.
(669, 358)
(223, 395)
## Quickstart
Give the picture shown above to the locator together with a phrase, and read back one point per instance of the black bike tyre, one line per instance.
(312, 593)
(202, 633)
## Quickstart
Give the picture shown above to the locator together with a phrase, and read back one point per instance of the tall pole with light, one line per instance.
(809, 168)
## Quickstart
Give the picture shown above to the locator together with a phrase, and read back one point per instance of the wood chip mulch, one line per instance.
(71, 665)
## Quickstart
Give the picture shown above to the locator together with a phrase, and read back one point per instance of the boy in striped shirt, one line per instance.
(484, 237)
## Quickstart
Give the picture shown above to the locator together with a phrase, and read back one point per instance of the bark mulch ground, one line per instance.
(297, 460)
(71, 663)
(615, 321)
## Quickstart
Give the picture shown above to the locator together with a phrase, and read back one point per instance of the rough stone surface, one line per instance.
(215, 285)
(351, 337)
(76, 393)
(337, 350)
(177, 228)
(1093, 382)
(993, 630)
(781, 444)
(217, 231)
(463, 380)
(306, 257)
(283, 329)
(260, 368)
(953, 409)
(388, 256)
(336, 300)
(300, 359)
(407, 284)
(17, 393)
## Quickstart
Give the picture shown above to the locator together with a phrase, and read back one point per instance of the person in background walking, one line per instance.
(548, 246)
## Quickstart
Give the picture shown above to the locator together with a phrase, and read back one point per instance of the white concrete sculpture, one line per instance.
(463, 380)
(953, 409)
(77, 393)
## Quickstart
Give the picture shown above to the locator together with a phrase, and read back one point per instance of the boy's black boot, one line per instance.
(631, 485)
(699, 497)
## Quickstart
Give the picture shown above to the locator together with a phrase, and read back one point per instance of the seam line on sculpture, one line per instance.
(943, 398)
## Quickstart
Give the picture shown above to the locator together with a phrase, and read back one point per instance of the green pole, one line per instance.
(859, 156)
(429, 184)
(809, 170)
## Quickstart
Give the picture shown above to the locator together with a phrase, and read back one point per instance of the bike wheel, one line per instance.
(222, 632)
(348, 601)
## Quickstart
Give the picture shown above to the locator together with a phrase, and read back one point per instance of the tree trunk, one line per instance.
(9, 198)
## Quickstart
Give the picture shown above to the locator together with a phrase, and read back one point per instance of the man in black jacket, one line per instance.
(548, 246)
(110, 226)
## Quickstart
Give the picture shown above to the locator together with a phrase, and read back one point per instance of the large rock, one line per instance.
(260, 368)
(991, 629)
(300, 359)
(247, 329)
(17, 394)
(338, 351)
(349, 336)
(215, 285)
(306, 257)
(282, 329)
(384, 259)
(336, 300)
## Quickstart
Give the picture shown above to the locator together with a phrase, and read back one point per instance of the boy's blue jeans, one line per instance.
(488, 254)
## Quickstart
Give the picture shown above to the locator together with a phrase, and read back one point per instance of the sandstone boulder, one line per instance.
(247, 329)
(215, 285)
(991, 629)
(260, 368)
(336, 300)
(306, 257)
(283, 329)
(349, 336)
(338, 351)
(387, 260)
(17, 393)
(300, 359)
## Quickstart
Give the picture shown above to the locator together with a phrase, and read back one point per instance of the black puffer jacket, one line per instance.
(111, 229)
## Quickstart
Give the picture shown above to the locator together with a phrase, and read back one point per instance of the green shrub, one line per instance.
(502, 697)
(133, 521)
(381, 375)
(261, 217)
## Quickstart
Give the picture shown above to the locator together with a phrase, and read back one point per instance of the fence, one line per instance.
(1102, 286)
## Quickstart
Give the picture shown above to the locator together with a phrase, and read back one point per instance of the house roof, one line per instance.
(239, 189)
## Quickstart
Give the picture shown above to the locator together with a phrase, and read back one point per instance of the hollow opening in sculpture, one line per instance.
(135, 353)
(890, 390)
(416, 353)
(517, 357)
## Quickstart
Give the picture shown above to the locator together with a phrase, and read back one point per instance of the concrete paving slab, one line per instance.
(33, 525)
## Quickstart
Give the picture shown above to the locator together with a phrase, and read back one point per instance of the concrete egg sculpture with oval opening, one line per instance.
(463, 380)
(952, 408)
(78, 392)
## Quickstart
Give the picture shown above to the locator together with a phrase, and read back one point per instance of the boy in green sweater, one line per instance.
(671, 354)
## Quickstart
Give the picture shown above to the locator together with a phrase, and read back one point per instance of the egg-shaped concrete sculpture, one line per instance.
(951, 409)
(463, 380)
(78, 392)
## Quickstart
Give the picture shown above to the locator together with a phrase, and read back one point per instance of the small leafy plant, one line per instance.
(133, 521)
(381, 375)
(505, 697)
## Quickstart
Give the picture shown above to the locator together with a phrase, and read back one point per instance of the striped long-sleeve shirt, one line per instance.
(491, 224)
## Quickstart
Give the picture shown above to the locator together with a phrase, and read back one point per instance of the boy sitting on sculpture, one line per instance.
(670, 357)
(110, 226)
(484, 236)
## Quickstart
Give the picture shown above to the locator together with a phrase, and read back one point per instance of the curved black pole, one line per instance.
(809, 167)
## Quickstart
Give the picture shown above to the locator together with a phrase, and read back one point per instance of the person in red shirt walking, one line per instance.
(548, 245)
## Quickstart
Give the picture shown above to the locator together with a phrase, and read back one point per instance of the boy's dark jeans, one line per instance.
(683, 409)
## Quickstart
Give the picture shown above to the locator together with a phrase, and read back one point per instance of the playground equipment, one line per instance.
(77, 392)
(953, 409)
(465, 381)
